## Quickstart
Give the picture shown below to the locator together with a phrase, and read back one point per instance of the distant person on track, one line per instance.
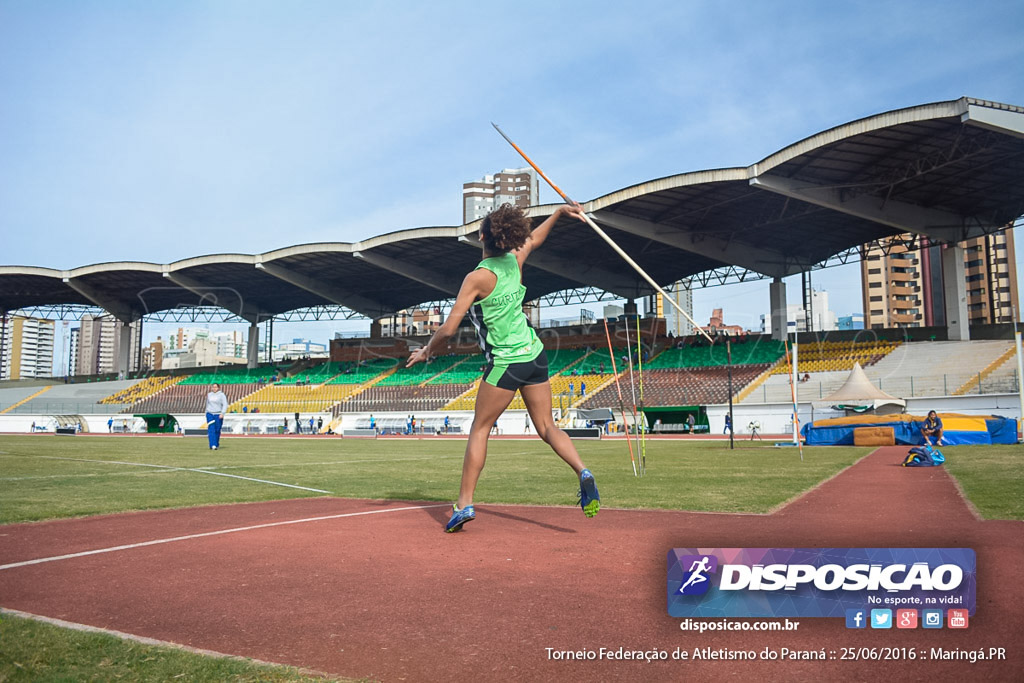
(216, 406)
(728, 424)
(931, 429)
(515, 355)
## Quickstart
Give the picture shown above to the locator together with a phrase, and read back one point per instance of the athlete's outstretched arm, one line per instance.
(477, 284)
(540, 233)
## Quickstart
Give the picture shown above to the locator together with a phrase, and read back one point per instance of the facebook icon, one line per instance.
(856, 618)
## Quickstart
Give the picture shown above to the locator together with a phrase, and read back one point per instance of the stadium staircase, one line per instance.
(989, 373)
(81, 398)
(139, 391)
(25, 400)
(759, 380)
(466, 400)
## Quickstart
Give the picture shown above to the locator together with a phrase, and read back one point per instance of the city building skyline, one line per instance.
(515, 186)
(27, 348)
(905, 288)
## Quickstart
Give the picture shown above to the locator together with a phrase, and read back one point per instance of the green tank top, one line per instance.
(502, 329)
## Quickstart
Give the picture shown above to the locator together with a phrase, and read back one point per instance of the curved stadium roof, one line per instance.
(948, 171)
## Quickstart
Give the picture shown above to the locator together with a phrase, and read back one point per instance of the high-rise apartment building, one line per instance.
(27, 347)
(72, 350)
(98, 346)
(681, 293)
(515, 186)
(905, 288)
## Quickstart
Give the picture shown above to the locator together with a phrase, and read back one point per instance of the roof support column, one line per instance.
(124, 345)
(777, 298)
(252, 350)
(954, 289)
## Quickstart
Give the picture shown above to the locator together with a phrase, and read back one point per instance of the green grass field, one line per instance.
(49, 477)
(46, 477)
(992, 478)
(35, 651)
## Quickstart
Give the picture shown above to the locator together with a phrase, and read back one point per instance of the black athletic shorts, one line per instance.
(513, 376)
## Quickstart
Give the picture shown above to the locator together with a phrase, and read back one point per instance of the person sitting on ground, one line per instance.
(931, 429)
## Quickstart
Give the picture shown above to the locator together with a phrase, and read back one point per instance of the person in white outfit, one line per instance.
(216, 406)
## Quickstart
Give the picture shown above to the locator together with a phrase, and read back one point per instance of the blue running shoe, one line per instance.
(590, 501)
(460, 517)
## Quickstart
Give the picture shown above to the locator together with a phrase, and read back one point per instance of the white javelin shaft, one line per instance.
(604, 235)
(644, 275)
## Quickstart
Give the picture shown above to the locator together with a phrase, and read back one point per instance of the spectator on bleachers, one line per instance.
(931, 428)
(583, 388)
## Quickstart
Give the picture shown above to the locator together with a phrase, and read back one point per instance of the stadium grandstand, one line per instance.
(940, 173)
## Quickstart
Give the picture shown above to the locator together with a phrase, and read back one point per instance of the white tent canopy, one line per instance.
(858, 390)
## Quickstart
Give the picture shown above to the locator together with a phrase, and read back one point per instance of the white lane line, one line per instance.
(143, 544)
(169, 468)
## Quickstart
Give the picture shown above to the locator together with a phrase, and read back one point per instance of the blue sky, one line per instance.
(159, 131)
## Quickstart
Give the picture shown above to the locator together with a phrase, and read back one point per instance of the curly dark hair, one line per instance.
(505, 229)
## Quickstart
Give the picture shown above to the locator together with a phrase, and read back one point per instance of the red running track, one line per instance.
(390, 597)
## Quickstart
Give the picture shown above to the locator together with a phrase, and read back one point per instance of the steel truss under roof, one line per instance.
(946, 171)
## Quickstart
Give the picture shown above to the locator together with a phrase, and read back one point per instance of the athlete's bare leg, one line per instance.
(538, 402)
(491, 402)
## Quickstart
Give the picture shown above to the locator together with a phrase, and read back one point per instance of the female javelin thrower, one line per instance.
(515, 355)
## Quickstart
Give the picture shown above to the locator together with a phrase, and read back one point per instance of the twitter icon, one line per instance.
(881, 618)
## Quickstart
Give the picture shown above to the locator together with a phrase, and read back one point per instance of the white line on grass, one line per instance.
(183, 469)
(189, 537)
(79, 476)
(383, 461)
(154, 642)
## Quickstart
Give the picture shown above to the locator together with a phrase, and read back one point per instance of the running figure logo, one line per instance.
(696, 581)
